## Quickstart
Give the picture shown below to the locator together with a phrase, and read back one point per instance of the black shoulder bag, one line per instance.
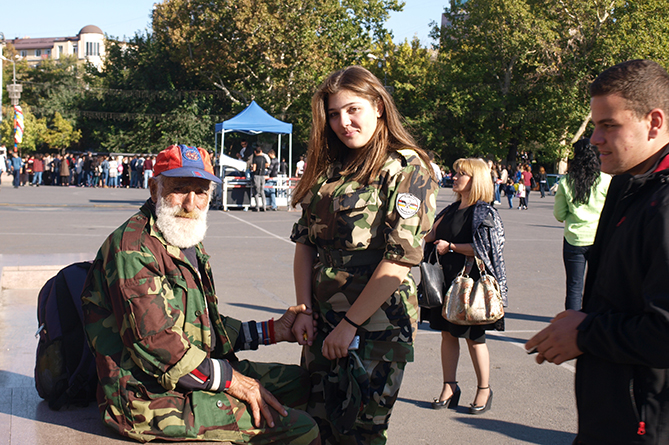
(432, 287)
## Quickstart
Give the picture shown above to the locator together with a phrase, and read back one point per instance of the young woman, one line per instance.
(469, 227)
(368, 198)
(578, 203)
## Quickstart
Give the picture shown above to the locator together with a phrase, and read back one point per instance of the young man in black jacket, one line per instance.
(621, 337)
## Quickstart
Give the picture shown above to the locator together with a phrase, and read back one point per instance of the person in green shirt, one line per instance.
(578, 203)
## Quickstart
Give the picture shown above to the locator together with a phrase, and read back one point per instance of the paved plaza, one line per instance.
(251, 257)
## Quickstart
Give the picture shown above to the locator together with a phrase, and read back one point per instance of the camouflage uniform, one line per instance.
(148, 315)
(354, 228)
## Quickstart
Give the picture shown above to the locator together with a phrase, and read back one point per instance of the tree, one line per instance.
(33, 134)
(409, 70)
(514, 74)
(271, 51)
(61, 134)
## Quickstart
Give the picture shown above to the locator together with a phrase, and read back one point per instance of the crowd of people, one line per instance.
(80, 170)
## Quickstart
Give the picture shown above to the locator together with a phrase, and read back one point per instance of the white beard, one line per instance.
(182, 232)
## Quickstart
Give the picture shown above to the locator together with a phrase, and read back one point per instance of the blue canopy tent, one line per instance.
(255, 120)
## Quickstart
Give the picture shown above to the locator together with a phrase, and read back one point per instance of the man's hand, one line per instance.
(258, 398)
(337, 342)
(557, 342)
(283, 327)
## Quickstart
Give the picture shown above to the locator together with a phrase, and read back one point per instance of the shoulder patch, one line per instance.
(407, 205)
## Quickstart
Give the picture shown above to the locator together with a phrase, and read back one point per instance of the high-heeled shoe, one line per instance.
(451, 402)
(473, 409)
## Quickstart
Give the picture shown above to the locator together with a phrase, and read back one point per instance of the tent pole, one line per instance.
(216, 146)
(278, 151)
(290, 155)
(222, 149)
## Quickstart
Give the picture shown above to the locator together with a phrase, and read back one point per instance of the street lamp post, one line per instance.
(14, 91)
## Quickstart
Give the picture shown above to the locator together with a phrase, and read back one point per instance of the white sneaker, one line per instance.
(497, 202)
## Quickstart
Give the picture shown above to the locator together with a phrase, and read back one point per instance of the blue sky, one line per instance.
(48, 18)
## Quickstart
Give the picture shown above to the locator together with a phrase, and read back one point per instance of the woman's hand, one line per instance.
(303, 329)
(283, 327)
(442, 246)
(337, 342)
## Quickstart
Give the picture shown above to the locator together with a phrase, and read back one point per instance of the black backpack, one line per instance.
(65, 371)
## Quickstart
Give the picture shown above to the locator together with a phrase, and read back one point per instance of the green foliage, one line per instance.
(34, 130)
(61, 133)
(275, 52)
(513, 74)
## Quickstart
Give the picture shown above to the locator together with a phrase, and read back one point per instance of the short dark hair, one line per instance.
(644, 84)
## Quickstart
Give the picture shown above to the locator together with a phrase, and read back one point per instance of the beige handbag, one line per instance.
(473, 303)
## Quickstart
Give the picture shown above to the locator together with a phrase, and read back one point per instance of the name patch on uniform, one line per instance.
(407, 205)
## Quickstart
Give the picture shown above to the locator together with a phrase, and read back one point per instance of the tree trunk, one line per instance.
(562, 163)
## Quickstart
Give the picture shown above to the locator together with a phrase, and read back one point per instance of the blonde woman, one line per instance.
(469, 227)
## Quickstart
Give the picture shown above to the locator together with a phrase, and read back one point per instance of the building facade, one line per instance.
(87, 45)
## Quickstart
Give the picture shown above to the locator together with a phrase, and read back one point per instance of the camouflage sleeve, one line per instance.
(411, 203)
(150, 314)
(300, 232)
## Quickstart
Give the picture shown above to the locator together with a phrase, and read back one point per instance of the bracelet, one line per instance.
(348, 320)
(272, 338)
(450, 247)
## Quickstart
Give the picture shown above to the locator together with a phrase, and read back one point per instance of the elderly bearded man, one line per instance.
(164, 354)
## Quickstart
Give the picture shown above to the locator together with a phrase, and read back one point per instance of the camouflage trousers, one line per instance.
(290, 385)
(352, 398)
(211, 416)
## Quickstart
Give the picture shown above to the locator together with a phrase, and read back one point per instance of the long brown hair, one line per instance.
(325, 148)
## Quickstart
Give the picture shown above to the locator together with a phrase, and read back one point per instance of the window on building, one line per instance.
(92, 48)
(24, 53)
(47, 52)
(60, 50)
(38, 53)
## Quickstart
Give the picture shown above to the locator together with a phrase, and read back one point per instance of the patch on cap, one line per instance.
(190, 153)
(407, 205)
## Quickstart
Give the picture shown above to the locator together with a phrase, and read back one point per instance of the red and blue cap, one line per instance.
(182, 161)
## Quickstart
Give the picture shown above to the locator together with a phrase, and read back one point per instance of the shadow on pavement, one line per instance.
(10, 379)
(131, 202)
(527, 317)
(518, 431)
(418, 403)
(547, 226)
(257, 307)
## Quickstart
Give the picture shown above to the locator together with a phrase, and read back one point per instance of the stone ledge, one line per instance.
(26, 277)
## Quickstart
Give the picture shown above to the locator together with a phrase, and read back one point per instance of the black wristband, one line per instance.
(348, 320)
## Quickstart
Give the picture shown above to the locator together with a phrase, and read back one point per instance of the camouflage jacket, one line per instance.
(390, 216)
(147, 314)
